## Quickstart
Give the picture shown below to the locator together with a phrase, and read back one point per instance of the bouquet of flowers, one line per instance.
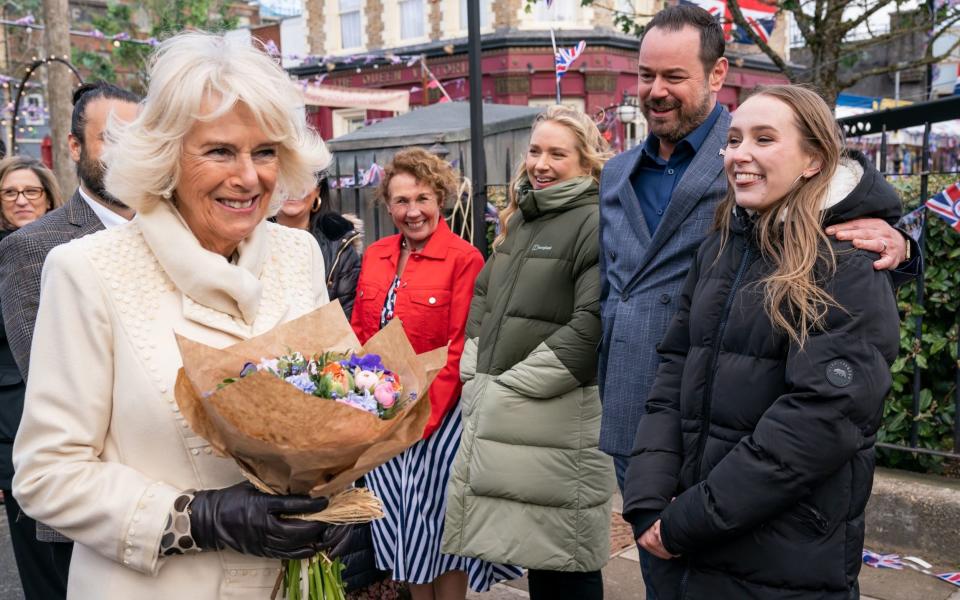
(311, 420)
(359, 381)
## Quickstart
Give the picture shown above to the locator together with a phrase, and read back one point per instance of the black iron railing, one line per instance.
(885, 123)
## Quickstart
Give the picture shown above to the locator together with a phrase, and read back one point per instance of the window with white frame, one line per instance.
(486, 13)
(351, 34)
(411, 19)
(562, 10)
(348, 120)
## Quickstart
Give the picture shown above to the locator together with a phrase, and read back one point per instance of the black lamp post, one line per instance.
(478, 165)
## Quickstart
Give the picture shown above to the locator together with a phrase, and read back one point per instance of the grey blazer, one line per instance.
(641, 277)
(21, 262)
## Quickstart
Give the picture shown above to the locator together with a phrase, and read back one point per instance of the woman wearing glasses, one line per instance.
(27, 191)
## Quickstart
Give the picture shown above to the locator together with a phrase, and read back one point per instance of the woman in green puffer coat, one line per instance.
(529, 485)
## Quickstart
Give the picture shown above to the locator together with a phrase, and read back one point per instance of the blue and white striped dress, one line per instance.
(413, 488)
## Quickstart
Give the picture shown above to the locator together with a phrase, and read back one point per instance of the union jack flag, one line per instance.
(372, 175)
(946, 205)
(881, 561)
(953, 578)
(761, 16)
(566, 57)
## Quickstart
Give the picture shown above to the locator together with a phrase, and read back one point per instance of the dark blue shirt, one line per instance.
(654, 178)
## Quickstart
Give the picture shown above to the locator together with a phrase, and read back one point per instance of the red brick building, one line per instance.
(356, 39)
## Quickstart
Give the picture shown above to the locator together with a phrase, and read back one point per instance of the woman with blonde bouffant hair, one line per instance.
(530, 485)
(754, 461)
(103, 454)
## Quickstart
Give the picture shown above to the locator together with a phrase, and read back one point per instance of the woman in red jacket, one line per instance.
(423, 276)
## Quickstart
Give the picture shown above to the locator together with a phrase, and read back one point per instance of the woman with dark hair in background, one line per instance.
(340, 238)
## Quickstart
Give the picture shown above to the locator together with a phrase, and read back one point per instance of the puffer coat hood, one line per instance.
(758, 455)
(529, 485)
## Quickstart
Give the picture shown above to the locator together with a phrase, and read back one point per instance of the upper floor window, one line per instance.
(350, 30)
(485, 13)
(411, 19)
(562, 10)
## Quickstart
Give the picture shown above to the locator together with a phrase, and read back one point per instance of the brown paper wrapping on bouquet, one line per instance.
(292, 442)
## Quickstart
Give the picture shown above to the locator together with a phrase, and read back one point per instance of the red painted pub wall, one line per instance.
(600, 77)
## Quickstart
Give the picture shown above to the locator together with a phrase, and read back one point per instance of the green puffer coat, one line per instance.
(529, 485)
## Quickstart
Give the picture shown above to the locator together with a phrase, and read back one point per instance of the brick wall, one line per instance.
(373, 14)
(505, 13)
(435, 19)
(602, 18)
(315, 16)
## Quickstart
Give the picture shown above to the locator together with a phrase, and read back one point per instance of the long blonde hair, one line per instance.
(592, 148)
(790, 234)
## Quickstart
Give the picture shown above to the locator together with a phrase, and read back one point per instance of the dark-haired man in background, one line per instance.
(42, 554)
(657, 203)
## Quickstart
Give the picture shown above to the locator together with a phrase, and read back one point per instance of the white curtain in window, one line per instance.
(411, 19)
(486, 13)
(350, 30)
(562, 10)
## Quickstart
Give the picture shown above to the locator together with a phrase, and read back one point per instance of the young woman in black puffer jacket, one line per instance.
(753, 465)
(340, 238)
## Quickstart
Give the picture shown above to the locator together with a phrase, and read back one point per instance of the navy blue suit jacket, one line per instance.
(641, 277)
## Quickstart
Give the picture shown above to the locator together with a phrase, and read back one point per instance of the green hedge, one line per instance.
(936, 352)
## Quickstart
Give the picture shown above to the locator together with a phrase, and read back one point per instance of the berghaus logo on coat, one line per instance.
(540, 248)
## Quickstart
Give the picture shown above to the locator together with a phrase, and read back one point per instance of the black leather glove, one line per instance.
(244, 519)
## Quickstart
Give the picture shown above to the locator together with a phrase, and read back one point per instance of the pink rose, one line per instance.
(385, 395)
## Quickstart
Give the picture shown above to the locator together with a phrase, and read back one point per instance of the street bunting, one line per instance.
(893, 561)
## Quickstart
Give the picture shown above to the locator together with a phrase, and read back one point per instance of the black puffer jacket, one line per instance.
(767, 449)
(340, 244)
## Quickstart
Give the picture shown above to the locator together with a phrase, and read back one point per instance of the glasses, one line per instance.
(10, 195)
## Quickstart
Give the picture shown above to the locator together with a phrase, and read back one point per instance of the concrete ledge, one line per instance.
(915, 513)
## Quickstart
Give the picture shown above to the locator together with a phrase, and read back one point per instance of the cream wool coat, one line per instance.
(103, 450)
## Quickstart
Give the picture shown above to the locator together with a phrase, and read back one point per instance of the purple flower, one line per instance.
(368, 362)
(248, 369)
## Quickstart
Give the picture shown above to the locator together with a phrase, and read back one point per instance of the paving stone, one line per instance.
(890, 584)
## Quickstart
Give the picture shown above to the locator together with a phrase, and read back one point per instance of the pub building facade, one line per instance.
(378, 47)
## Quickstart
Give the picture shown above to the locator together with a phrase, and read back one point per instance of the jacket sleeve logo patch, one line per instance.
(839, 373)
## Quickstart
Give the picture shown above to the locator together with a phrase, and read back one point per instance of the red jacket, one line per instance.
(433, 301)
